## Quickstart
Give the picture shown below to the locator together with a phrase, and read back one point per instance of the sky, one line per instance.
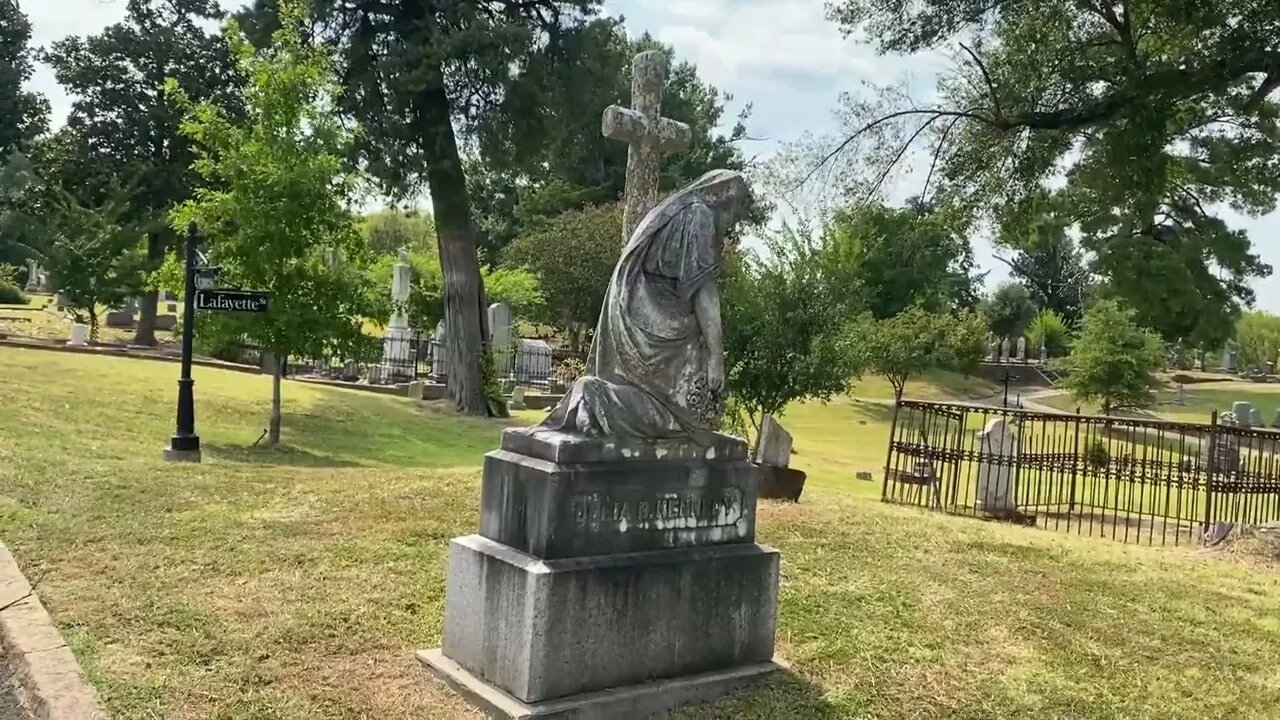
(781, 56)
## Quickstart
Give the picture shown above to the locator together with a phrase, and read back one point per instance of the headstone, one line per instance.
(997, 473)
(864, 475)
(517, 399)
(648, 136)
(1255, 418)
(60, 301)
(606, 558)
(1044, 354)
(1004, 350)
(774, 448)
(535, 361)
(397, 344)
(500, 337)
(166, 322)
(993, 348)
(1243, 413)
(439, 353)
(119, 319)
(416, 390)
(33, 275)
(1181, 398)
(1275, 423)
(79, 335)
(1022, 349)
(1230, 357)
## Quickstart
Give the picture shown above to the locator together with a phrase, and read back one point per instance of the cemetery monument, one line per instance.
(615, 573)
(397, 348)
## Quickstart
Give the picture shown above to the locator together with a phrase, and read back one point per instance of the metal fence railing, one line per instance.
(1133, 480)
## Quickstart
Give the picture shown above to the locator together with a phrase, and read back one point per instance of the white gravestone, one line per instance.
(397, 351)
(439, 357)
(1255, 418)
(500, 338)
(774, 448)
(1243, 413)
(1004, 350)
(1022, 349)
(33, 276)
(79, 335)
(997, 474)
(1044, 353)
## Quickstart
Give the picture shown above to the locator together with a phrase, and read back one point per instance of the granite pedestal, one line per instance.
(608, 579)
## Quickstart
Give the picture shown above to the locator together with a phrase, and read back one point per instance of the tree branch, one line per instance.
(991, 86)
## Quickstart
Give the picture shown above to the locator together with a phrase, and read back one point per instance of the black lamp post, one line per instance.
(1007, 379)
(185, 444)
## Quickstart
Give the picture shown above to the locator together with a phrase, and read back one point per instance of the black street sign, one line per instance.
(207, 277)
(246, 301)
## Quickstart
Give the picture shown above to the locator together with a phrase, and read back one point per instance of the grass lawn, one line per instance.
(1201, 400)
(296, 584)
(933, 385)
(40, 318)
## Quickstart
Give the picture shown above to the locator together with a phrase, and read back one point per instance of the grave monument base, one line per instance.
(608, 579)
(635, 701)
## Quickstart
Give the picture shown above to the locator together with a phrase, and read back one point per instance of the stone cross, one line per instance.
(647, 134)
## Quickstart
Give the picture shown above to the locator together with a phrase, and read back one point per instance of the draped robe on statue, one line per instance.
(646, 376)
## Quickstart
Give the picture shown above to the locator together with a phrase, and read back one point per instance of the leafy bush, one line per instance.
(1048, 328)
(11, 294)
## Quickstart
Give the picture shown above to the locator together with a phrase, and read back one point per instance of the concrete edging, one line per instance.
(51, 685)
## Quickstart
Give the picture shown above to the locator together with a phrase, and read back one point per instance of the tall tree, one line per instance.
(1154, 113)
(23, 114)
(117, 78)
(1009, 310)
(901, 257)
(543, 153)
(1047, 261)
(409, 71)
(1114, 361)
(276, 202)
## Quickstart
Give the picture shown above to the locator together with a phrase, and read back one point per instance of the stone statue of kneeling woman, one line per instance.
(656, 368)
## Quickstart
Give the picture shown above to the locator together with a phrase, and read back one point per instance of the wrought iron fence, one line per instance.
(1133, 480)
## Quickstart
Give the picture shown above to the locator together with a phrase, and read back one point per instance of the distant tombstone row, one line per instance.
(1000, 350)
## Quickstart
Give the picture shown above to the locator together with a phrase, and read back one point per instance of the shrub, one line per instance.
(1049, 329)
(11, 294)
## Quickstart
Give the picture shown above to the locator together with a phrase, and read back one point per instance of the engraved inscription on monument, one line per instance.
(666, 511)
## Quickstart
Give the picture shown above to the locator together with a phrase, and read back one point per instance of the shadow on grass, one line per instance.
(785, 695)
(283, 455)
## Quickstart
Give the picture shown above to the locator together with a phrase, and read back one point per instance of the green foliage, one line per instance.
(901, 257)
(517, 288)
(1258, 340)
(1098, 456)
(542, 153)
(23, 114)
(11, 293)
(572, 256)
(275, 209)
(1047, 262)
(425, 307)
(1049, 330)
(1114, 361)
(782, 329)
(386, 231)
(909, 343)
(94, 257)
(1009, 310)
(1154, 114)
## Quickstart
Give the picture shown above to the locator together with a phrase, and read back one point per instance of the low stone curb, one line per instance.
(50, 683)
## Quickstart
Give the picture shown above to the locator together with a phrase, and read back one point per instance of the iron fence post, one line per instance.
(888, 456)
(1209, 477)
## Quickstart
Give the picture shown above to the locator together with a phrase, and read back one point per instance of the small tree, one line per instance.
(1009, 310)
(573, 257)
(782, 331)
(1114, 361)
(1258, 338)
(92, 257)
(276, 205)
(1048, 329)
(914, 341)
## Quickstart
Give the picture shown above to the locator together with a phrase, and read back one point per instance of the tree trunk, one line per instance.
(147, 310)
(273, 429)
(464, 312)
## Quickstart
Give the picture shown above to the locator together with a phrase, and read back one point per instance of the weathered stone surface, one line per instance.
(545, 629)
(633, 702)
(166, 322)
(559, 510)
(774, 447)
(119, 319)
(780, 483)
(563, 447)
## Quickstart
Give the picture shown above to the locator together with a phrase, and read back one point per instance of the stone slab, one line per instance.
(48, 677)
(546, 629)
(633, 702)
(191, 456)
(562, 447)
(781, 483)
(774, 447)
(552, 510)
